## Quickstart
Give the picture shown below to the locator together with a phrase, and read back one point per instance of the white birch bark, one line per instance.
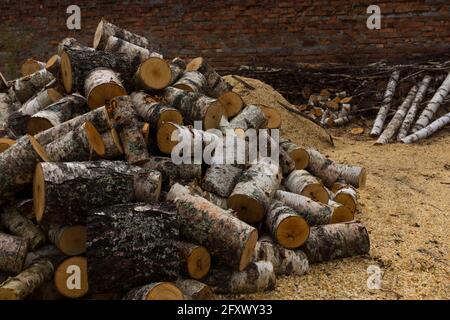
(436, 125)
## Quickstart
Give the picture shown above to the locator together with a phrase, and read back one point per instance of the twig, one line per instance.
(308, 118)
(246, 84)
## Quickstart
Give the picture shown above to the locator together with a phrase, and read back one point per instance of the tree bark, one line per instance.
(4, 84)
(139, 240)
(106, 29)
(195, 260)
(216, 84)
(336, 241)
(71, 43)
(329, 171)
(423, 133)
(288, 228)
(17, 164)
(285, 262)
(257, 277)
(7, 108)
(5, 143)
(303, 183)
(132, 51)
(397, 119)
(113, 146)
(427, 114)
(98, 117)
(25, 87)
(27, 281)
(229, 240)
(251, 117)
(173, 173)
(191, 81)
(20, 226)
(386, 104)
(195, 107)
(127, 125)
(411, 115)
(13, 251)
(153, 112)
(67, 108)
(81, 144)
(194, 290)
(102, 85)
(155, 291)
(64, 191)
(252, 194)
(221, 179)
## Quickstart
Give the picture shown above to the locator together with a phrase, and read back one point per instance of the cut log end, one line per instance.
(273, 117)
(66, 72)
(213, 115)
(155, 73)
(36, 125)
(95, 139)
(170, 115)
(248, 250)
(232, 103)
(194, 64)
(292, 232)
(72, 240)
(52, 62)
(198, 263)
(342, 213)
(164, 291)
(316, 192)
(362, 178)
(347, 200)
(104, 93)
(164, 137)
(30, 66)
(300, 157)
(39, 148)
(39, 193)
(70, 267)
(248, 209)
(98, 34)
(5, 143)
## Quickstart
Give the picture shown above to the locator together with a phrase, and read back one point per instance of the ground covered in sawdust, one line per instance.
(405, 207)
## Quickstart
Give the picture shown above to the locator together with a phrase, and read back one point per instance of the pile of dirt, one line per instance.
(300, 130)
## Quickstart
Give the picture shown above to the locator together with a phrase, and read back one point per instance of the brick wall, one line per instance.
(232, 33)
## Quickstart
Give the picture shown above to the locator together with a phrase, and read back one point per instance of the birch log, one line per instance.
(313, 212)
(20, 226)
(289, 229)
(257, 277)
(106, 29)
(336, 241)
(195, 260)
(5, 143)
(155, 291)
(348, 196)
(411, 115)
(216, 84)
(195, 290)
(252, 194)
(69, 239)
(65, 275)
(228, 239)
(285, 261)
(7, 108)
(27, 281)
(252, 117)
(101, 86)
(113, 146)
(397, 120)
(221, 179)
(4, 84)
(191, 81)
(132, 51)
(53, 65)
(30, 66)
(13, 251)
(25, 87)
(64, 191)
(195, 107)
(139, 240)
(67, 108)
(154, 112)
(329, 171)
(17, 164)
(427, 114)
(127, 126)
(98, 117)
(423, 133)
(82, 144)
(385, 105)
(303, 183)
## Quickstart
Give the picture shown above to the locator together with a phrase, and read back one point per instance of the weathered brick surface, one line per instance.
(232, 33)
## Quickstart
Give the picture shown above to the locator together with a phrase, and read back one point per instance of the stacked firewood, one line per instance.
(93, 206)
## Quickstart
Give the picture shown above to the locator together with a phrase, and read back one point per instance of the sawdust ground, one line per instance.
(405, 207)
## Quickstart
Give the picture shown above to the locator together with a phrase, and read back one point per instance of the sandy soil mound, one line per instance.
(301, 131)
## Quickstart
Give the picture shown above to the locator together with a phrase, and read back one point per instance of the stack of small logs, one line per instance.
(331, 107)
(93, 207)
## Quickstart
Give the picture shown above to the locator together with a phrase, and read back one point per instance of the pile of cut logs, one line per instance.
(93, 206)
